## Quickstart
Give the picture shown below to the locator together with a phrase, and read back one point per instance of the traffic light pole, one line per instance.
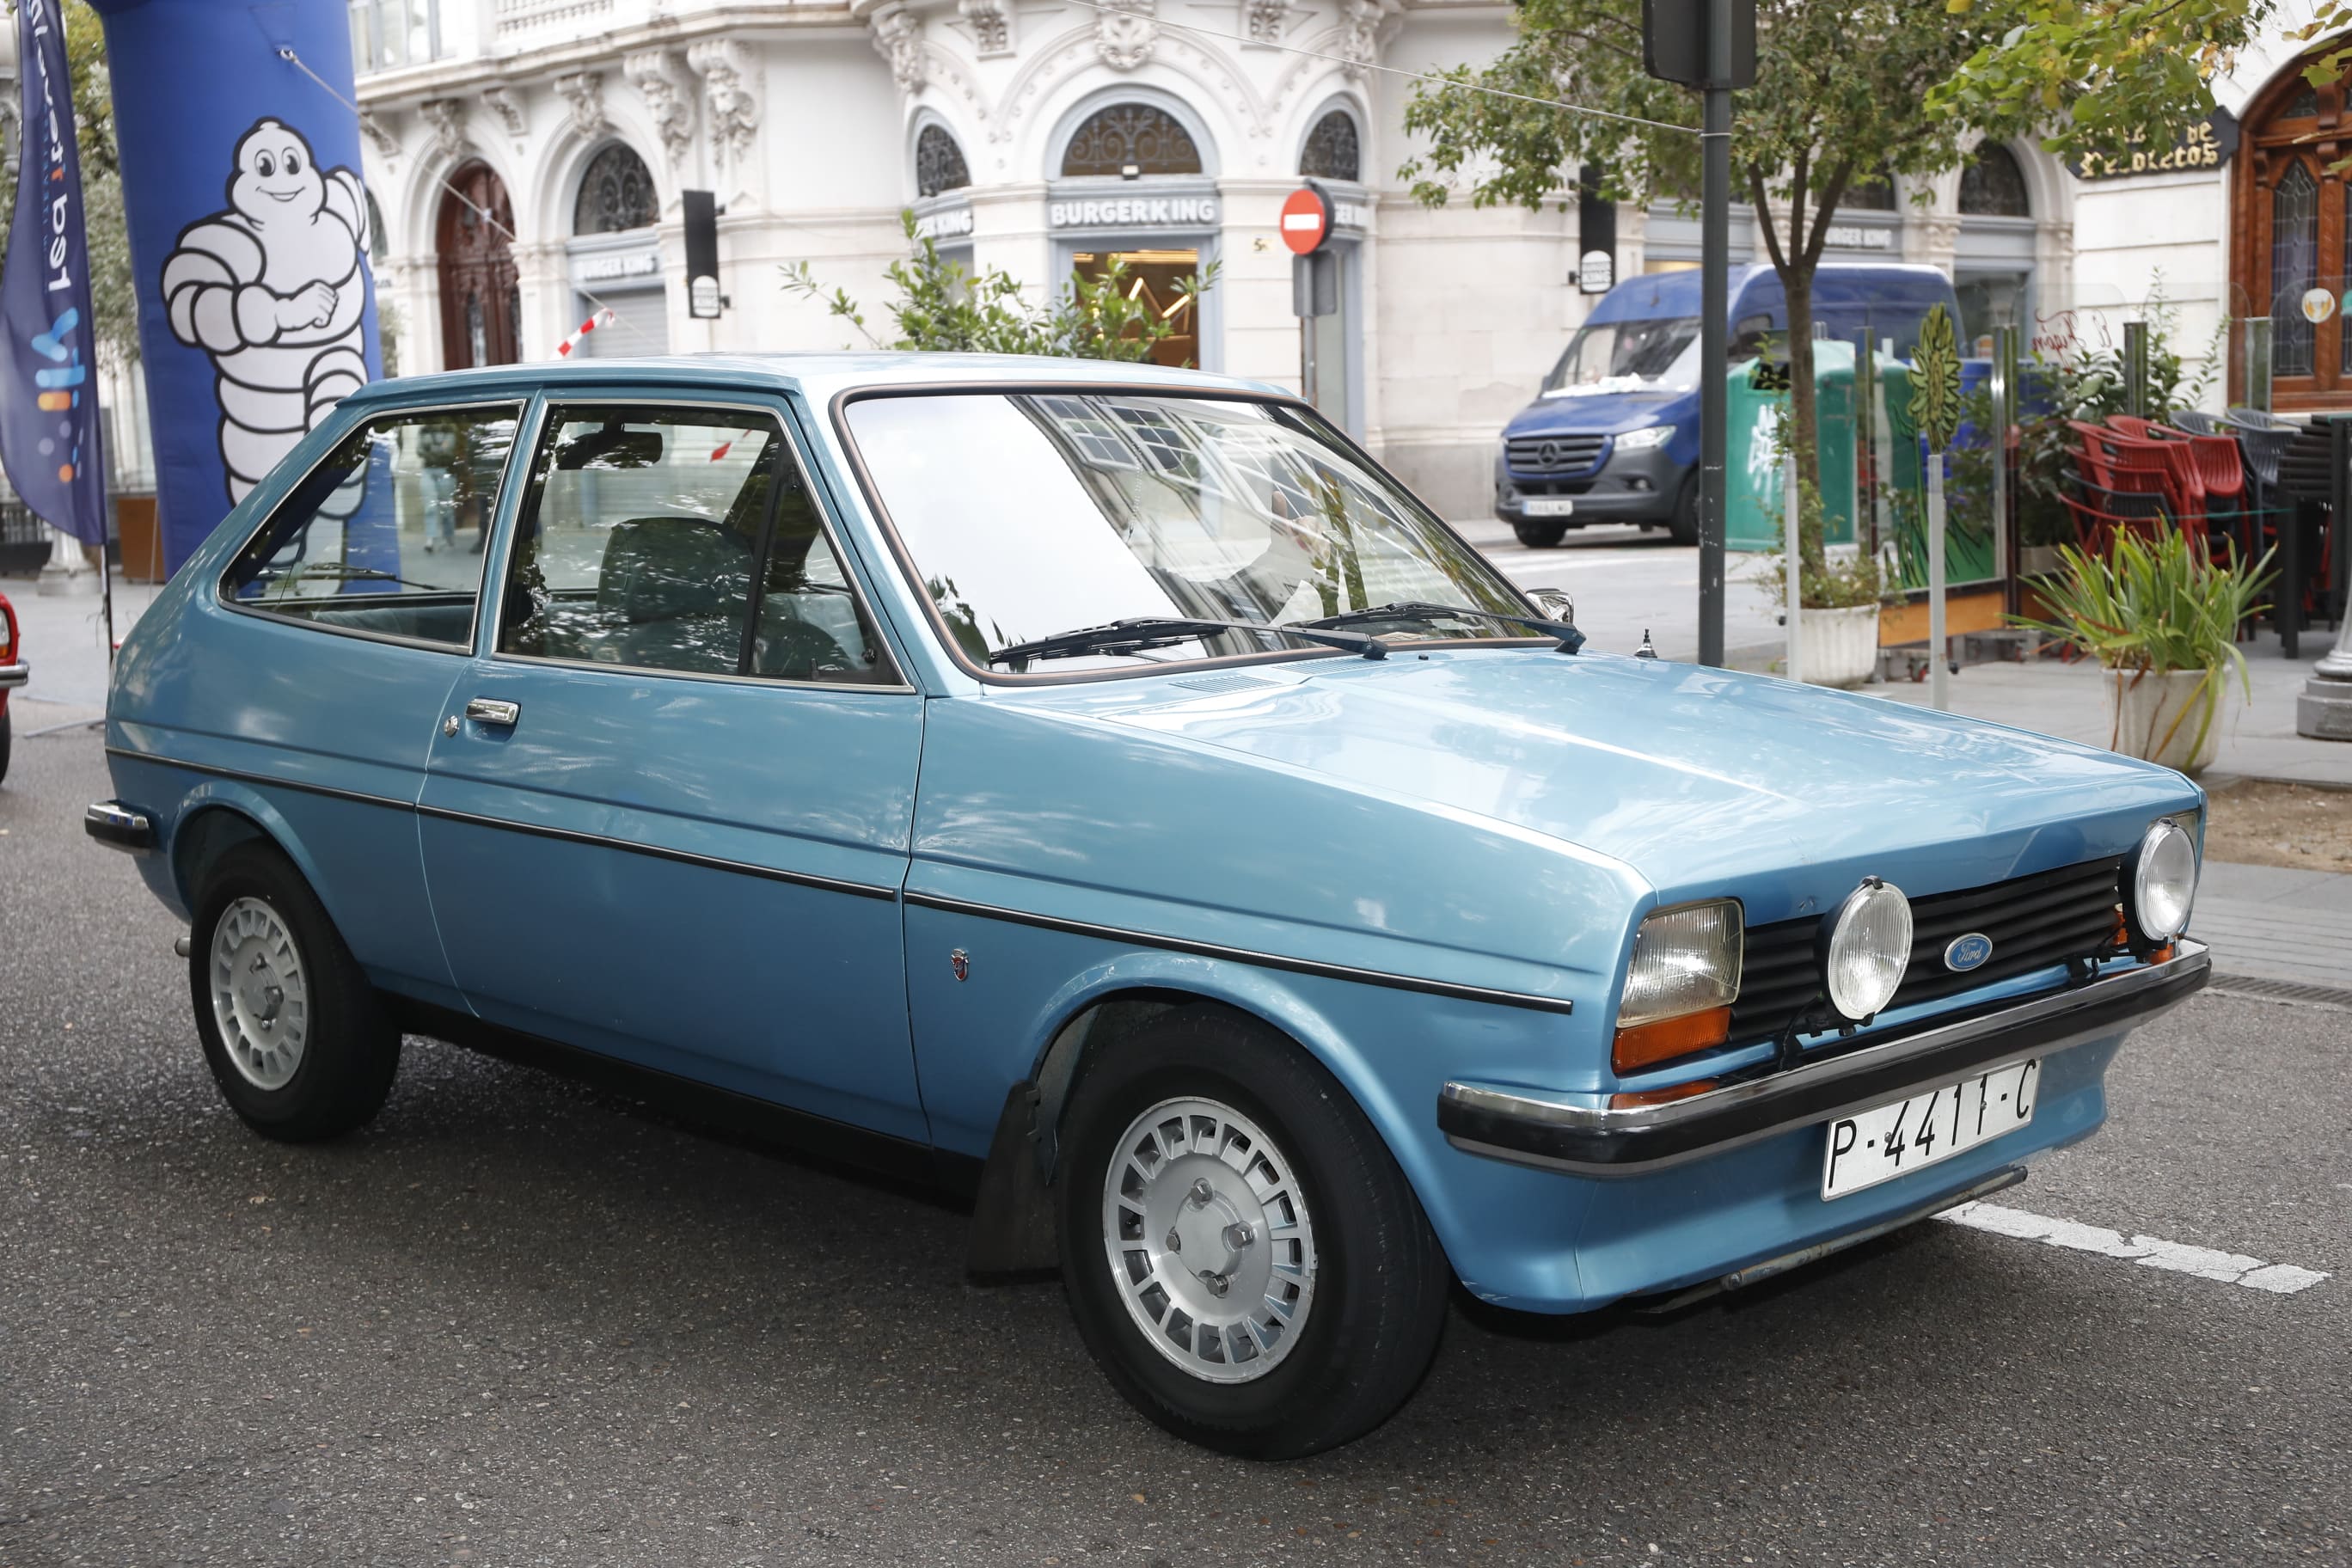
(1715, 306)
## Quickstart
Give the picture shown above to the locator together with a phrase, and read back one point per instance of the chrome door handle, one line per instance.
(490, 711)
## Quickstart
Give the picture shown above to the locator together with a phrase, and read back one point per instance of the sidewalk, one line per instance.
(2274, 923)
(64, 639)
(2258, 738)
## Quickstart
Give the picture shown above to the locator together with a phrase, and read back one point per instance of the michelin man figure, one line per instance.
(274, 289)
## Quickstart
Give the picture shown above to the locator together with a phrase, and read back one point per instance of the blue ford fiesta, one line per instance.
(1106, 790)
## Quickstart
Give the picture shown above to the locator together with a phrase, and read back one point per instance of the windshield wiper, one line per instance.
(1136, 633)
(1570, 639)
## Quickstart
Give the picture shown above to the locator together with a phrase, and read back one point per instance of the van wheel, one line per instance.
(1259, 1280)
(291, 1026)
(1541, 535)
(1683, 528)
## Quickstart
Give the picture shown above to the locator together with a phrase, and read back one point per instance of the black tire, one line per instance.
(349, 1051)
(1541, 535)
(1683, 527)
(7, 740)
(1380, 1279)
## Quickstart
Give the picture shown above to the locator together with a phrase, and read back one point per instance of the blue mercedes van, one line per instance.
(1613, 434)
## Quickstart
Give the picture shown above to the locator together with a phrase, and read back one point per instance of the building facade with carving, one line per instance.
(527, 159)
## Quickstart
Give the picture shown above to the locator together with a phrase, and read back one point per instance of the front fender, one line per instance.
(1392, 1051)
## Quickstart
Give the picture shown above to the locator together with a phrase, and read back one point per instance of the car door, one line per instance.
(666, 812)
(326, 658)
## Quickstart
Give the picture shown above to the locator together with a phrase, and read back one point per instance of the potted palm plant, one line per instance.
(2162, 620)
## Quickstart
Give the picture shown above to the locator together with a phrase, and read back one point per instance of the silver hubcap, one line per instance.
(1209, 1239)
(261, 996)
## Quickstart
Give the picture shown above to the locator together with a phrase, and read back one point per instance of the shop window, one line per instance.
(616, 194)
(1131, 139)
(938, 163)
(1992, 185)
(1332, 150)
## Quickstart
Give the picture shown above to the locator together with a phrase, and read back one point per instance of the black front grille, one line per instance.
(1554, 454)
(2034, 922)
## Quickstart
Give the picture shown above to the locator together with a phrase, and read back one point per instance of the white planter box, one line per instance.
(1840, 646)
(2165, 718)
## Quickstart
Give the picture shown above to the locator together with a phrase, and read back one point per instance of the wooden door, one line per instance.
(2289, 226)
(482, 306)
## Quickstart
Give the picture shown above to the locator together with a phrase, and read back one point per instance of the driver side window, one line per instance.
(681, 539)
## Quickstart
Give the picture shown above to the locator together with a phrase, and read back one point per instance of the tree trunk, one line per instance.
(1804, 415)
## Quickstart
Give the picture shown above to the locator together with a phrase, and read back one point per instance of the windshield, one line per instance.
(1031, 514)
(1610, 356)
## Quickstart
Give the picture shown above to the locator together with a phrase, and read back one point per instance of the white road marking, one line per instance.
(2226, 1267)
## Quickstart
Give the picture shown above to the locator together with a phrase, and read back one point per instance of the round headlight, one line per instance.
(2162, 883)
(1869, 949)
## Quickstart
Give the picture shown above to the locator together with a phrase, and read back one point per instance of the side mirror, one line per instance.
(1557, 603)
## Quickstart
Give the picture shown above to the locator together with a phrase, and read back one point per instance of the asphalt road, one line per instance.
(517, 1322)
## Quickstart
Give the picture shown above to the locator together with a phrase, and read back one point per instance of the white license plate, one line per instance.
(1880, 1145)
(1550, 506)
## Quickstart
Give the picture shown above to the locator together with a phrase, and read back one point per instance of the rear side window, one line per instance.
(386, 536)
(682, 539)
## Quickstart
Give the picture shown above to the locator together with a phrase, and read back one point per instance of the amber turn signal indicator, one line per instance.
(1647, 1044)
(1666, 1096)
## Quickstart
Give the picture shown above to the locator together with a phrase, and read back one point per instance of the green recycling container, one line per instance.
(1753, 520)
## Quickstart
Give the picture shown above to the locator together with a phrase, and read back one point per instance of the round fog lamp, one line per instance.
(1869, 949)
(2163, 883)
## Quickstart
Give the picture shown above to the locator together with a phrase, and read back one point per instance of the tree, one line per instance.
(941, 306)
(1846, 91)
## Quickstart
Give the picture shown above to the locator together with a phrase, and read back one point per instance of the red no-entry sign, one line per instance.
(1305, 221)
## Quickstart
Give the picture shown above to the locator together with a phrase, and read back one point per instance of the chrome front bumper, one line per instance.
(1586, 1134)
(15, 675)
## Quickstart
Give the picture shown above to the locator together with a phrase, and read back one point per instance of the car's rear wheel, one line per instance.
(1541, 535)
(291, 1026)
(1259, 1280)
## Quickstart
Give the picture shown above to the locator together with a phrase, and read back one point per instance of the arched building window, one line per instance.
(2290, 235)
(1992, 185)
(1870, 194)
(615, 194)
(938, 163)
(1131, 139)
(1332, 150)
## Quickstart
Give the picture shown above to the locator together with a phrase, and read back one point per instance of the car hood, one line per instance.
(1694, 778)
(1609, 412)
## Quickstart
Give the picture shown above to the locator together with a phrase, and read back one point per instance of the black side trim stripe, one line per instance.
(331, 792)
(1245, 955)
(659, 852)
(652, 851)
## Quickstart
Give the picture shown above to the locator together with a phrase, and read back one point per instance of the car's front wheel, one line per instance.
(1541, 535)
(291, 1026)
(1243, 1258)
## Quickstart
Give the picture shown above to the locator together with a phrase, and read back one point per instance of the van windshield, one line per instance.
(1627, 356)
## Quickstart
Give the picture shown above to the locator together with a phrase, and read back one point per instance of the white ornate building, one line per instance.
(1033, 135)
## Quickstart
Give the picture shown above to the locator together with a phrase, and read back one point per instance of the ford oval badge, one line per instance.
(1966, 953)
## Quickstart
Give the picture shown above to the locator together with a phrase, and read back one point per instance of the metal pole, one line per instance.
(1866, 450)
(1714, 328)
(1939, 691)
(2257, 363)
(2136, 369)
(2004, 415)
(1792, 591)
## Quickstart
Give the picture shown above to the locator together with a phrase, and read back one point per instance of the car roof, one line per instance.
(817, 376)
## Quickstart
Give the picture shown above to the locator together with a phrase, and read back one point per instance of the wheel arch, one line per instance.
(1012, 1228)
(219, 815)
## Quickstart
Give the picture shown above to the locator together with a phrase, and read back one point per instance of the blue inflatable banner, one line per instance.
(48, 404)
(240, 151)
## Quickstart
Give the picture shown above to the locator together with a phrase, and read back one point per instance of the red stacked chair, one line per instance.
(2112, 498)
(2137, 444)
